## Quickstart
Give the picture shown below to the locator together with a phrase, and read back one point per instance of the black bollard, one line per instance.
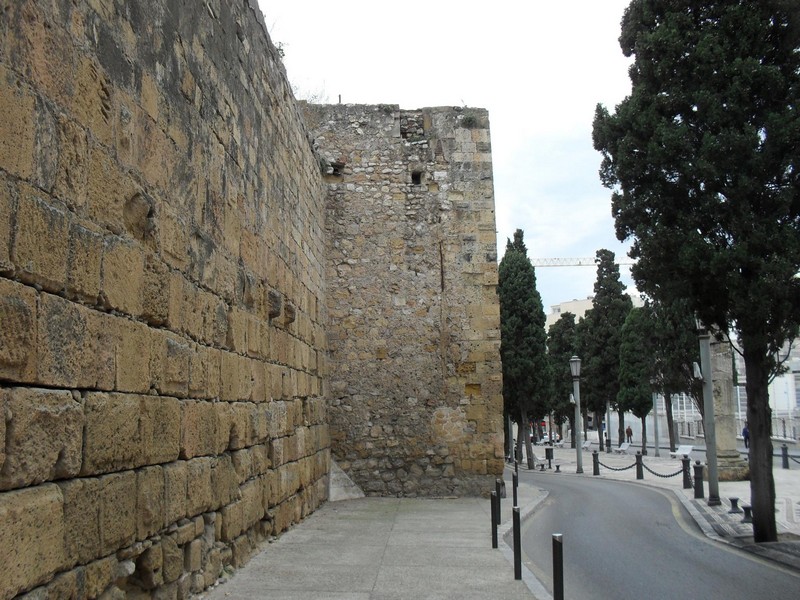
(517, 545)
(595, 463)
(687, 477)
(515, 483)
(698, 480)
(734, 506)
(558, 567)
(785, 456)
(499, 495)
(494, 519)
(639, 470)
(748, 515)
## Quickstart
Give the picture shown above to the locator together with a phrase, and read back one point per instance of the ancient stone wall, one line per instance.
(414, 331)
(162, 284)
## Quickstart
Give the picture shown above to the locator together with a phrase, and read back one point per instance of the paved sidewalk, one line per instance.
(398, 548)
(386, 548)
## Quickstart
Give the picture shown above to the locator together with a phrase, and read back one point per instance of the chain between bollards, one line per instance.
(517, 545)
(558, 567)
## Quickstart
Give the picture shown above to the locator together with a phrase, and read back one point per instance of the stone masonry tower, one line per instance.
(414, 327)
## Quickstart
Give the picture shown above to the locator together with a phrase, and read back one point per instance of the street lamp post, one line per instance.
(708, 412)
(575, 369)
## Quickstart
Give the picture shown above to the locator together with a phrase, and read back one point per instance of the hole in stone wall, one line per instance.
(416, 177)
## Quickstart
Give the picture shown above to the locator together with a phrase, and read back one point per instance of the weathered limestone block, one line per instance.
(134, 340)
(117, 495)
(174, 379)
(7, 208)
(41, 243)
(149, 568)
(85, 258)
(18, 313)
(224, 481)
(99, 575)
(113, 440)
(160, 428)
(75, 345)
(123, 275)
(149, 502)
(172, 559)
(175, 491)
(31, 538)
(236, 382)
(17, 125)
(199, 498)
(204, 372)
(155, 291)
(199, 423)
(43, 439)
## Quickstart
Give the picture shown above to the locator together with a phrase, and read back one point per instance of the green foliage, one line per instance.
(562, 344)
(704, 162)
(470, 121)
(526, 373)
(600, 335)
(636, 363)
(676, 349)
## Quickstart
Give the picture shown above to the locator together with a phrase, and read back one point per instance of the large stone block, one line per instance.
(85, 257)
(18, 313)
(160, 428)
(31, 538)
(199, 423)
(133, 343)
(149, 502)
(75, 345)
(112, 435)
(17, 125)
(41, 243)
(124, 431)
(7, 209)
(44, 437)
(81, 518)
(117, 496)
(123, 275)
(175, 491)
(199, 497)
(174, 380)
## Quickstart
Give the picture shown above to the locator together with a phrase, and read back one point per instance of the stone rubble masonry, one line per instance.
(205, 286)
(414, 331)
(162, 298)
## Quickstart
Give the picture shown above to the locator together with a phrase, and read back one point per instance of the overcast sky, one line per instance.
(538, 66)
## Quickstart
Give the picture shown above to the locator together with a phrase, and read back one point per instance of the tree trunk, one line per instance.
(621, 427)
(644, 435)
(759, 420)
(598, 419)
(526, 435)
(585, 425)
(670, 420)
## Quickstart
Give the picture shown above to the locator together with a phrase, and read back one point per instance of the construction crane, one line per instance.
(571, 262)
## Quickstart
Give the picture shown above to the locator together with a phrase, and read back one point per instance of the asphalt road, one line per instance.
(624, 541)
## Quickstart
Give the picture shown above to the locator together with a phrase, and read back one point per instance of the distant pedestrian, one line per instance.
(746, 436)
(629, 434)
